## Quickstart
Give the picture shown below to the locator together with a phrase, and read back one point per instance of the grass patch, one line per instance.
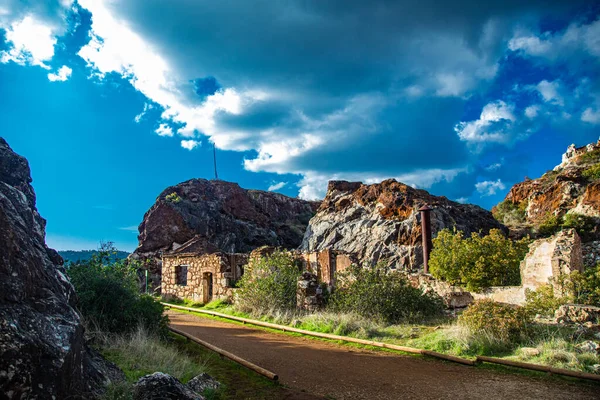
(140, 353)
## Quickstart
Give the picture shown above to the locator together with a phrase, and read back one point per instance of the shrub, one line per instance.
(543, 301)
(377, 293)
(584, 287)
(269, 285)
(496, 322)
(585, 226)
(592, 173)
(477, 262)
(173, 198)
(108, 295)
(550, 225)
(510, 213)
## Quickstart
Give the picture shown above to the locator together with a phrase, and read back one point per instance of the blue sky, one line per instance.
(111, 101)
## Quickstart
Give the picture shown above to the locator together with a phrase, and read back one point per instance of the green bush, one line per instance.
(108, 296)
(269, 285)
(585, 226)
(592, 173)
(173, 198)
(584, 287)
(544, 301)
(496, 322)
(379, 294)
(510, 213)
(550, 225)
(477, 262)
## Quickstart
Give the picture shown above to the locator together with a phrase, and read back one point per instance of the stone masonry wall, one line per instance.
(225, 269)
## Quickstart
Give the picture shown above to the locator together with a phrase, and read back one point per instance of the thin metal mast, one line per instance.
(215, 160)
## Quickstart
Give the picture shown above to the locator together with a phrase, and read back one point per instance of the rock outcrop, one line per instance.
(577, 314)
(382, 222)
(42, 348)
(223, 216)
(570, 188)
(161, 386)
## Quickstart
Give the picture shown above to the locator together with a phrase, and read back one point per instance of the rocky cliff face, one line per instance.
(42, 348)
(382, 222)
(572, 187)
(568, 187)
(222, 215)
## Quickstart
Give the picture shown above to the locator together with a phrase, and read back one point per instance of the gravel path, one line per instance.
(343, 372)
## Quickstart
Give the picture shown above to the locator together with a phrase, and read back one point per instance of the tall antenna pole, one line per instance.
(215, 160)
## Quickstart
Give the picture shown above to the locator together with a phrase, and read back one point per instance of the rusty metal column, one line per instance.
(426, 235)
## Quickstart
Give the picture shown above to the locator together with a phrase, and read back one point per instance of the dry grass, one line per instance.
(141, 353)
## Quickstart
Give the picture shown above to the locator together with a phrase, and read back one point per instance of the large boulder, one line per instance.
(42, 348)
(382, 222)
(161, 386)
(223, 216)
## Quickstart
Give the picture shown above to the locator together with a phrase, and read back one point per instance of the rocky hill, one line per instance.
(224, 216)
(572, 187)
(42, 348)
(381, 221)
(566, 197)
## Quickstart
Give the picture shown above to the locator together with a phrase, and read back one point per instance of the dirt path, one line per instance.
(343, 372)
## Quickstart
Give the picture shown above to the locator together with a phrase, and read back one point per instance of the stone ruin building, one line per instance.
(198, 272)
(193, 271)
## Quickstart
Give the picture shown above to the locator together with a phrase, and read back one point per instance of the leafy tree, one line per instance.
(477, 262)
(381, 294)
(108, 294)
(269, 284)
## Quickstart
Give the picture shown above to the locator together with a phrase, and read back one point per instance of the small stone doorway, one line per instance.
(207, 287)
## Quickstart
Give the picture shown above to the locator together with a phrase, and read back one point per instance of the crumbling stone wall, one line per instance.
(552, 257)
(309, 294)
(220, 270)
(326, 263)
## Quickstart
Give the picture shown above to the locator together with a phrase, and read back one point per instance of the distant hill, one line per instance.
(84, 255)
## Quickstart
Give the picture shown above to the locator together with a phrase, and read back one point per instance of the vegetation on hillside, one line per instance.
(585, 226)
(477, 262)
(510, 213)
(73, 256)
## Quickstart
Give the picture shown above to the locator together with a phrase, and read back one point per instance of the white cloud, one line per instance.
(532, 111)
(591, 116)
(490, 127)
(189, 144)
(164, 130)
(462, 200)
(31, 42)
(489, 188)
(62, 74)
(575, 39)
(550, 92)
(147, 107)
(276, 186)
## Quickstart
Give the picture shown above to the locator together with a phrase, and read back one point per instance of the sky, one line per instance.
(111, 101)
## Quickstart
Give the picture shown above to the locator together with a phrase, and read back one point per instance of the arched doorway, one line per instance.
(207, 287)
